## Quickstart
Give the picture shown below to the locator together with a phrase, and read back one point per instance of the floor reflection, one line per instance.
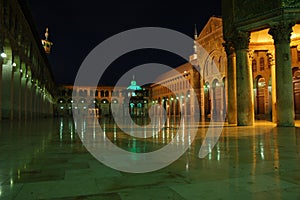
(46, 159)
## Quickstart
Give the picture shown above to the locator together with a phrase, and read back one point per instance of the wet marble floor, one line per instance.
(46, 160)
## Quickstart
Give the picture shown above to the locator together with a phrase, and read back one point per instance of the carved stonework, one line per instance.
(245, 9)
(281, 32)
(290, 3)
(251, 55)
(241, 40)
(271, 60)
(228, 46)
(212, 25)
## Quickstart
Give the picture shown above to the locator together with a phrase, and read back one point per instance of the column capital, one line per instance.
(241, 40)
(251, 54)
(281, 32)
(271, 58)
(228, 46)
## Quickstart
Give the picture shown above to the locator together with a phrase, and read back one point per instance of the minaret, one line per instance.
(133, 82)
(46, 43)
(195, 40)
(195, 33)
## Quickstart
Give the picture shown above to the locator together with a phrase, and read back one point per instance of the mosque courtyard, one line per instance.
(46, 159)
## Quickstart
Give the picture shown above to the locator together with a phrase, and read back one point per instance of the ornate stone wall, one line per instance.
(254, 8)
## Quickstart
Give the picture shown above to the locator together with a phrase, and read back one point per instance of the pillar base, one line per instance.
(245, 121)
(285, 124)
(245, 124)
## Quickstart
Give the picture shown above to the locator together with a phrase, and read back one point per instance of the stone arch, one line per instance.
(71, 101)
(159, 100)
(207, 99)
(106, 93)
(216, 99)
(213, 63)
(104, 107)
(224, 98)
(177, 104)
(82, 101)
(259, 95)
(61, 101)
(188, 102)
(115, 101)
(296, 90)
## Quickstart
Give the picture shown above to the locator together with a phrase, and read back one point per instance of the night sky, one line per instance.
(76, 27)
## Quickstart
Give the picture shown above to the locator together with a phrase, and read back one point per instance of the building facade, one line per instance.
(177, 91)
(86, 100)
(200, 85)
(97, 102)
(266, 36)
(26, 82)
(209, 74)
(232, 78)
(210, 59)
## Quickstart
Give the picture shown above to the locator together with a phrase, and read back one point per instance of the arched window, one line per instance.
(63, 93)
(261, 64)
(211, 70)
(74, 92)
(80, 93)
(298, 55)
(254, 65)
(69, 92)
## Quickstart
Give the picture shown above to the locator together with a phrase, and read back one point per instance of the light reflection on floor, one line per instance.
(47, 160)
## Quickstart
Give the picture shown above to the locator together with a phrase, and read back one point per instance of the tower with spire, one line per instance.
(193, 58)
(195, 39)
(46, 43)
(195, 33)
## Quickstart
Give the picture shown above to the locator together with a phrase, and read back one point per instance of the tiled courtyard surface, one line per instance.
(46, 159)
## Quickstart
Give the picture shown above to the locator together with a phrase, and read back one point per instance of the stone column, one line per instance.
(245, 110)
(44, 103)
(20, 93)
(1, 65)
(25, 97)
(184, 103)
(168, 107)
(196, 85)
(212, 106)
(174, 106)
(39, 101)
(231, 84)
(30, 90)
(281, 33)
(35, 102)
(271, 55)
(213, 103)
(201, 102)
(12, 88)
(221, 101)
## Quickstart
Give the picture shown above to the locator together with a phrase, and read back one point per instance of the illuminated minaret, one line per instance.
(195, 33)
(195, 40)
(46, 43)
